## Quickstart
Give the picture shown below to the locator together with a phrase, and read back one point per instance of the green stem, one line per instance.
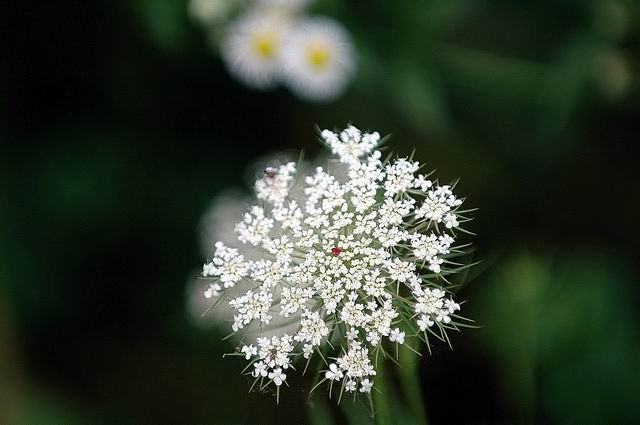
(382, 396)
(404, 404)
(410, 382)
(395, 401)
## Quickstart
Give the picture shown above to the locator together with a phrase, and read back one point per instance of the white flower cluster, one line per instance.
(361, 258)
(272, 41)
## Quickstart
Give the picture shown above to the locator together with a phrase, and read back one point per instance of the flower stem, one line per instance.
(398, 399)
(381, 396)
(410, 381)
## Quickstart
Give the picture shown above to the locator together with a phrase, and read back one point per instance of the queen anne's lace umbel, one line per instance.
(360, 259)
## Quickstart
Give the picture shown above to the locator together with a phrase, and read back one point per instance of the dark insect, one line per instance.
(270, 172)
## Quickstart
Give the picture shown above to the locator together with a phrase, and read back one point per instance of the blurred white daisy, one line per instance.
(252, 47)
(318, 59)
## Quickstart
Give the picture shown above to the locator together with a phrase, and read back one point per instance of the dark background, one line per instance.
(119, 124)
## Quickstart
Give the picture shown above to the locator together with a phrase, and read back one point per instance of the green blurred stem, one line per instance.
(399, 405)
(382, 397)
(411, 387)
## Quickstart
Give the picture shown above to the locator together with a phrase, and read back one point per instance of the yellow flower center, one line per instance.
(265, 45)
(318, 55)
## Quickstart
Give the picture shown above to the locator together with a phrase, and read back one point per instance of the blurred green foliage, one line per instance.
(565, 334)
(118, 124)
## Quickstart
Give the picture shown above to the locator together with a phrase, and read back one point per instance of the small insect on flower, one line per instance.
(270, 172)
(318, 58)
(354, 261)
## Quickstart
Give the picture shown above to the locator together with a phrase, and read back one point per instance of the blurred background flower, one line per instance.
(318, 59)
(252, 47)
(118, 127)
(217, 223)
(272, 41)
